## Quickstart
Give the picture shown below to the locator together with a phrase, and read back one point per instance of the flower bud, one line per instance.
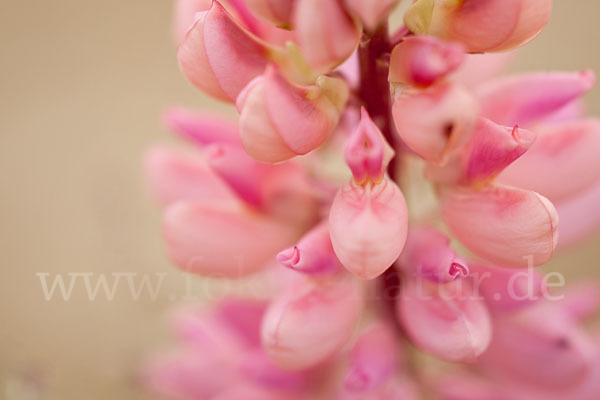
(492, 25)
(311, 322)
(367, 152)
(219, 56)
(325, 32)
(368, 226)
(502, 224)
(436, 121)
(427, 254)
(280, 120)
(422, 60)
(372, 13)
(448, 321)
(313, 254)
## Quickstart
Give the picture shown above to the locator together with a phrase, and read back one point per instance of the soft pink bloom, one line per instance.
(280, 120)
(428, 255)
(436, 121)
(311, 321)
(219, 56)
(579, 216)
(488, 25)
(448, 321)
(489, 150)
(184, 14)
(562, 163)
(372, 13)
(313, 254)
(422, 60)
(201, 128)
(374, 358)
(325, 32)
(502, 224)
(525, 99)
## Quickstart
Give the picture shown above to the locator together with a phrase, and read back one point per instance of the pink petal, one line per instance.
(427, 254)
(372, 13)
(507, 289)
(177, 175)
(242, 173)
(222, 242)
(367, 152)
(539, 347)
(490, 25)
(562, 163)
(502, 224)
(257, 367)
(200, 128)
(184, 15)
(579, 216)
(325, 32)
(489, 150)
(373, 359)
(368, 226)
(422, 60)
(435, 122)
(311, 322)
(480, 68)
(219, 56)
(279, 121)
(447, 321)
(524, 99)
(313, 254)
(278, 12)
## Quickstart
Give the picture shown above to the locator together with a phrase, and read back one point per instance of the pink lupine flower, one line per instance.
(279, 120)
(491, 25)
(436, 121)
(422, 60)
(428, 255)
(368, 217)
(447, 321)
(336, 113)
(293, 330)
(326, 32)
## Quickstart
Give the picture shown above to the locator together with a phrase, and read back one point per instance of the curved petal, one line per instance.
(373, 359)
(311, 322)
(326, 33)
(506, 225)
(177, 175)
(368, 226)
(436, 121)
(524, 99)
(313, 254)
(539, 347)
(219, 56)
(221, 242)
(427, 254)
(448, 321)
(579, 216)
(278, 12)
(563, 162)
(201, 128)
(184, 14)
(422, 60)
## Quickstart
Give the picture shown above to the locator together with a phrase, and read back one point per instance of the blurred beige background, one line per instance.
(82, 84)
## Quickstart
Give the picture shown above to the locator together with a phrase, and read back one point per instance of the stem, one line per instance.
(373, 54)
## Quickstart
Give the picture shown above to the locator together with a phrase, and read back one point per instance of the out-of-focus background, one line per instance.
(82, 84)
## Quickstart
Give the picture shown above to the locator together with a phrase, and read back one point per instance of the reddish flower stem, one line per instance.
(373, 54)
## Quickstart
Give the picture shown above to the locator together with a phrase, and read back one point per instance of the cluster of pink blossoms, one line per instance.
(339, 120)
